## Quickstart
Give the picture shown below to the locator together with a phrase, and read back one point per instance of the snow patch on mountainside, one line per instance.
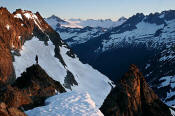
(89, 80)
(78, 36)
(18, 16)
(143, 34)
(67, 104)
(168, 81)
(172, 111)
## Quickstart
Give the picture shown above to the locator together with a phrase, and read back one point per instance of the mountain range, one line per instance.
(40, 74)
(145, 40)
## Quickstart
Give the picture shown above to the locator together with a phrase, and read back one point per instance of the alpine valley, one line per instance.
(144, 40)
(40, 75)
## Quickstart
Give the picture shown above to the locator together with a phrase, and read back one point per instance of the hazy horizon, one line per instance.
(91, 9)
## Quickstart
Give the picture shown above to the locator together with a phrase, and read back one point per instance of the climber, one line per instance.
(36, 59)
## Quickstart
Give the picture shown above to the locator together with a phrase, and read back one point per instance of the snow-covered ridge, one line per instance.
(88, 79)
(67, 104)
(78, 23)
(30, 16)
(97, 23)
(151, 35)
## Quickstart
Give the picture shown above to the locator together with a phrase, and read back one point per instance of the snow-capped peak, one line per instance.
(79, 23)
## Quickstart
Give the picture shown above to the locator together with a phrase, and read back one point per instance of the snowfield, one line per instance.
(89, 80)
(67, 104)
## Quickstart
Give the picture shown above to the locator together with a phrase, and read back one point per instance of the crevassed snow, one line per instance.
(67, 104)
(89, 80)
(18, 16)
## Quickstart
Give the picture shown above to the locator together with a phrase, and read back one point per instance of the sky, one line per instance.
(90, 9)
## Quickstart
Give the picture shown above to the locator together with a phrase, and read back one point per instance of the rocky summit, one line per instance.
(133, 97)
(16, 28)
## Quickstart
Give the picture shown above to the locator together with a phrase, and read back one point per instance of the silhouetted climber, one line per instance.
(36, 59)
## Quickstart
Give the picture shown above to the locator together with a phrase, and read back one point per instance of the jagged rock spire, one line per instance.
(133, 97)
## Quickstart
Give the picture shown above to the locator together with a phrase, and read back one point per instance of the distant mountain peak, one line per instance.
(79, 23)
(122, 18)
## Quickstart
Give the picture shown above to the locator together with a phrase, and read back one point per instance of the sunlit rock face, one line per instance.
(133, 97)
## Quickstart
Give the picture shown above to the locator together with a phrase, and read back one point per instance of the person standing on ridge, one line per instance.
(36, 59)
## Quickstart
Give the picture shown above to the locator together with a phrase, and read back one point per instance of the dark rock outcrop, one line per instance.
(31, 89)
(133, 97)
(69, 80)
(36, 84)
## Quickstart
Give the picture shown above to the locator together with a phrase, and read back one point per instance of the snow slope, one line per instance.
(89, 80)
(67, 104)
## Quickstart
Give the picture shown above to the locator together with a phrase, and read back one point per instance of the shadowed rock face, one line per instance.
(36, 84)
(31, 89)
(133, 97)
